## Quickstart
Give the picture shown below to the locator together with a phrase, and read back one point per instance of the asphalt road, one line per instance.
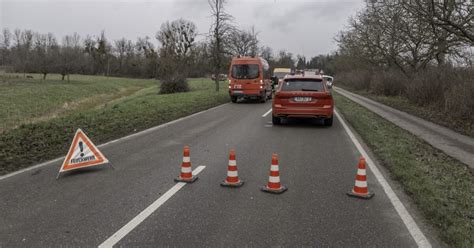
(318, 164)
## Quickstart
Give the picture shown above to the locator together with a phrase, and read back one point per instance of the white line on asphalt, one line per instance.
(407, 219)
(122, 232)
(268, 112)
(113, 141)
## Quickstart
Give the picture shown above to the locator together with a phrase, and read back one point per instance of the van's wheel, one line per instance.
(233, 99)
(276, 120)
(328, 122)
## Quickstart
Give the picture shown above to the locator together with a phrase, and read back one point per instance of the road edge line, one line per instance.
(407, 219)
(137, 220)
(11, 174)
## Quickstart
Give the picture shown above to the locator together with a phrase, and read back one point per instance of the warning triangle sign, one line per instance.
(82, 153)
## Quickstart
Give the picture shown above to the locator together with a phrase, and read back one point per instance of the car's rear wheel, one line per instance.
(276, 120)
(233, 99)
(328, 121)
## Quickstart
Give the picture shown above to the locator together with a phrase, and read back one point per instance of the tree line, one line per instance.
(409, 35)
(421, 50)
(176, 51)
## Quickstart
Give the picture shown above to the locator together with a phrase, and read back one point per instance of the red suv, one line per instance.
(303, 97)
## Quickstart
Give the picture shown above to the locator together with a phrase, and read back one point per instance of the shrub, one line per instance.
(459, 98)
(388, 83)
(358, 80)
(175, 84)
(428, 87)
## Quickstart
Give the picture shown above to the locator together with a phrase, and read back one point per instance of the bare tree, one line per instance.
(221, 28)
(177, 37)
(22, 49)
(456, 17)
(147, 50)
(266, 52)
(45, 53)
(5, 46)
(99, 52)
(285, 59)
(242, 42)
(70, 55)
(120, 49)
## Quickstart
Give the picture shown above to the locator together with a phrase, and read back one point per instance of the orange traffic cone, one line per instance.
(186, 171)
(274, 185)
(232, 179)
(360, 188)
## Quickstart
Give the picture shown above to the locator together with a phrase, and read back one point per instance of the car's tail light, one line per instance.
(325, 95)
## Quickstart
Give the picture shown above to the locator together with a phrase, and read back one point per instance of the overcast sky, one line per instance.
(299, 26)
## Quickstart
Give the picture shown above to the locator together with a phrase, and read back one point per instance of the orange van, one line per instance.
(249, 78)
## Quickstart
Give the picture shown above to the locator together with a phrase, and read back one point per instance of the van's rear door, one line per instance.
(245, 77)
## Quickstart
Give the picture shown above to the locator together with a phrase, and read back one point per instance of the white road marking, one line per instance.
(113, 141)
(407, 219)
(120, 234)
(266, 113)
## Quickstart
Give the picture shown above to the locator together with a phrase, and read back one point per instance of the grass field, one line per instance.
(36, 138)
(441, 187)
(33, 100)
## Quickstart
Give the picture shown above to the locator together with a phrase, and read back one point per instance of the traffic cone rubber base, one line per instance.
(232, 185)
(282, 189)
(186, 180)
(367, 196)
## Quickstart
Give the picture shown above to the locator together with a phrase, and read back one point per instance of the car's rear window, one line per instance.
(302, 85)
(245, 71)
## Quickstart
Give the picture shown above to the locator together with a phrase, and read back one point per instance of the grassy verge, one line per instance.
(35, 100)
(431, 113)
(37, 142)
(441, 187)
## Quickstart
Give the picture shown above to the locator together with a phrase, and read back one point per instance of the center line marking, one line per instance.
(268, 112)
(116, 237)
